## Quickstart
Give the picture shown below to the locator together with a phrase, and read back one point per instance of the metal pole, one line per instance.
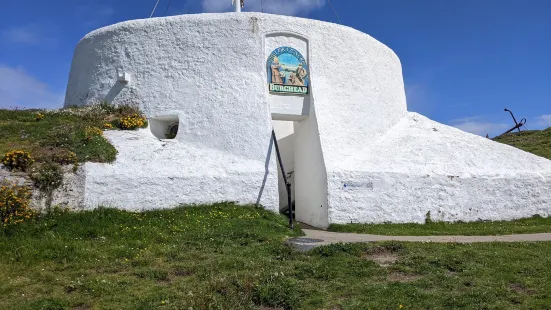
(287, 183)
(237, 5)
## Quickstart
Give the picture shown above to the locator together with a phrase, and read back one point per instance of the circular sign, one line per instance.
(287, 71)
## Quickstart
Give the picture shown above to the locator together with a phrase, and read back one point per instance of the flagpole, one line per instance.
(237, 5)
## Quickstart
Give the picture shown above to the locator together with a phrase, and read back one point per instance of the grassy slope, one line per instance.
(60, 131)
(228, 257)
(533, 141)
(56, 132)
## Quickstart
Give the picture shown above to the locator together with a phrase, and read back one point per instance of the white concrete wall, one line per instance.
(213, 79)
(422, 166)
(310, 174)
(152, 174)
(210, 71)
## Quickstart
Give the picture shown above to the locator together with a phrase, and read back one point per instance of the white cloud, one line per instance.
(544, 120)
(24, 35)
(94, 15)
(478, 126)
(283, 7)
(20, 90)
(31, 34)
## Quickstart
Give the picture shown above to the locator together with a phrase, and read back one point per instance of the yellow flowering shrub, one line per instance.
(65, 157)
(38, 117)
(107, 126)
(133, 121)
(14, 204)
(93, 131)
(17, 160)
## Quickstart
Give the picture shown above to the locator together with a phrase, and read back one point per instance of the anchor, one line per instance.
(517, 125)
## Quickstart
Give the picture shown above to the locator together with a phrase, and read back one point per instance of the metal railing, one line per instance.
(287, 183)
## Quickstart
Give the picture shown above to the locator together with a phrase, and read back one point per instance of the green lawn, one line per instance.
(535, 224)
(230, 257)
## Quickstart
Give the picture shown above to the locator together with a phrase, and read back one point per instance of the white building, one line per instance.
(356, 154)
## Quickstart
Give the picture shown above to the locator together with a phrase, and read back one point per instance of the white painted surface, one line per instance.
(422, 166)
(153, 174)
(209, 70)
(310, 174)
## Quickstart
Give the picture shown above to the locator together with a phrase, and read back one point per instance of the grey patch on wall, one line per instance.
(357, 185)
(83, 98)
(254, 24)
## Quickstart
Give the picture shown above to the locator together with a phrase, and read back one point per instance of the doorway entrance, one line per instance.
(302, 159)
(285, 135)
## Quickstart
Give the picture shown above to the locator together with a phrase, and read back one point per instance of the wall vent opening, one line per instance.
(164, 127)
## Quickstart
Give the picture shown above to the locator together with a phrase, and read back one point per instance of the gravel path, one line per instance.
(326, 237)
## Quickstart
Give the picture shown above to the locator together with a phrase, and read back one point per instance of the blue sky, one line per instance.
(463, 60)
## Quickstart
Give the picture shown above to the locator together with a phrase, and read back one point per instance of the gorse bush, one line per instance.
(65, 157)
(14, 204)
(132, 122)
(17, 160)
(38, 117)
(93, 131)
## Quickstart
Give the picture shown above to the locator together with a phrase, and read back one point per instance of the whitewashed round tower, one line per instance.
(336, 99)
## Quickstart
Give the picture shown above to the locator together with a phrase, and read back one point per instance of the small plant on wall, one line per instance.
(47, 177)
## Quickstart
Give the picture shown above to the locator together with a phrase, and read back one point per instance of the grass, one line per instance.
(232, 257)
(535, 224)
(60, 132)
(534, 141)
